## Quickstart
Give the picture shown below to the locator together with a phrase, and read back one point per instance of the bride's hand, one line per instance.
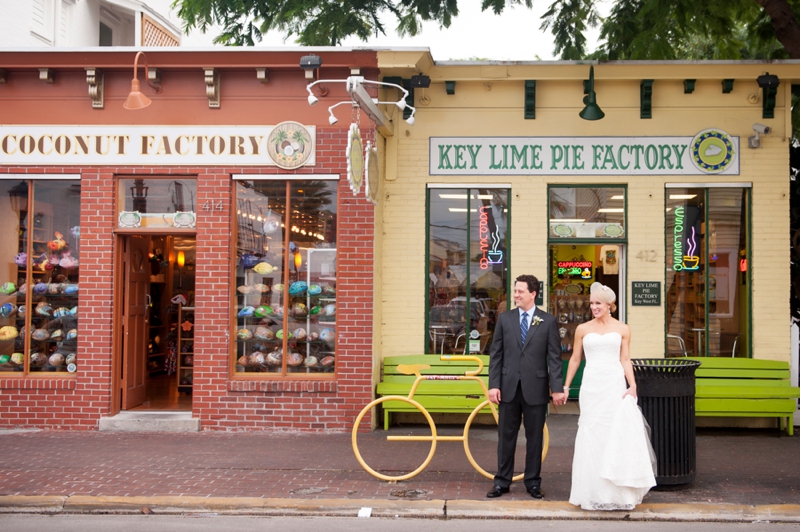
(630, 391)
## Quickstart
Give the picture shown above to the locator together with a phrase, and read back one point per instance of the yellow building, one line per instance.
(677, 198)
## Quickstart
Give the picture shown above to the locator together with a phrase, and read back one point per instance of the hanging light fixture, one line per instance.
(592, 111)
(137, 100)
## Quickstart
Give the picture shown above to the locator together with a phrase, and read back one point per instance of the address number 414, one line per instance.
(212, 205)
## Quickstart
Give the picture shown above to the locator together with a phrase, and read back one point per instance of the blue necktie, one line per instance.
(523, 327)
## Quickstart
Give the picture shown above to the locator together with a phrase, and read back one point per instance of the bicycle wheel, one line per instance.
(478, 468)
(431, 438)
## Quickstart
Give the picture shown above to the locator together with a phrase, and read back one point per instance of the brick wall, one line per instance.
(220, 402)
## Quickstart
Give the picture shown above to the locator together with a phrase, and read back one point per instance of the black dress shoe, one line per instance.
(536, 493)
(496, 491)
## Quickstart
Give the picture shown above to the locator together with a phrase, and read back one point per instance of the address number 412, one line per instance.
(647, 255)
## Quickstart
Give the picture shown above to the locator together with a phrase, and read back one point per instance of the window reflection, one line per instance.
(587, 212)
(467, 267)
(707, 249)
(286, 277)
(40, 291)
(156, 202)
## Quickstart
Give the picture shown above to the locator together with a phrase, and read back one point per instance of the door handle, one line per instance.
(147, 300)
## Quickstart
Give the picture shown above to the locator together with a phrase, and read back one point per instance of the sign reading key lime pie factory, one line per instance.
(709, 152)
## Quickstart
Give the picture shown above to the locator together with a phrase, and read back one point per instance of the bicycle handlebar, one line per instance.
(465, 358)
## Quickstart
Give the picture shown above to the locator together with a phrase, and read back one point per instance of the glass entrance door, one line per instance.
(573, 269)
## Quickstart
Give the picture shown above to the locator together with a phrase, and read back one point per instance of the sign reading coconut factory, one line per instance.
(288, 145)
(709, 152)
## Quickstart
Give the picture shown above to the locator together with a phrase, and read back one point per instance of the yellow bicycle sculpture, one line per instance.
(416, 369)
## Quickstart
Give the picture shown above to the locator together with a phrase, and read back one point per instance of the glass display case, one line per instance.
(286, 278)
(39, 296)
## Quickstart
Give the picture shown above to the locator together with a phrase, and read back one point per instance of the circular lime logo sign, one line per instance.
(712, 151)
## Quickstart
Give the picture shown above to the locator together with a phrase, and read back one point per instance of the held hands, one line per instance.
(560, 398)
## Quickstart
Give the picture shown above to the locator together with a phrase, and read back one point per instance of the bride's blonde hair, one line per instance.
(604, 294)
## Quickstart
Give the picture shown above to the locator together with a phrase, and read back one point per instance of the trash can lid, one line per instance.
(661, 366)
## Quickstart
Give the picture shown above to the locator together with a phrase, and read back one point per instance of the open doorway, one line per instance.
(157, 285)
(573, 269)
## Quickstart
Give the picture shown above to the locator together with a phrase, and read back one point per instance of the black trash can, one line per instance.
(666, 388)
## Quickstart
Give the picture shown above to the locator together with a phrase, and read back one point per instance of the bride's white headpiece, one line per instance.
(604, 294)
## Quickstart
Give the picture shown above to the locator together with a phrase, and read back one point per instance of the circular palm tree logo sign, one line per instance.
(712, 151)
(290, 145)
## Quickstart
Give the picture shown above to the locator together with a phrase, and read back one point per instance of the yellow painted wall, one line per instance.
(488, 101)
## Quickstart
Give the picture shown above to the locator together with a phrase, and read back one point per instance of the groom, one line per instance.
(525, 351)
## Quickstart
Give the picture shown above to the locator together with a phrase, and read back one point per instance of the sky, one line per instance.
(472, 35)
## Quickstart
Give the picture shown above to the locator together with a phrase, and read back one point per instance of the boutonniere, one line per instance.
(536, 320)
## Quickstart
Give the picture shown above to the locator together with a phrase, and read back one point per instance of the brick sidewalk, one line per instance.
(746, 467)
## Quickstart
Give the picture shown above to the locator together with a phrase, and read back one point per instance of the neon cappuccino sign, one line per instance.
(582, 268)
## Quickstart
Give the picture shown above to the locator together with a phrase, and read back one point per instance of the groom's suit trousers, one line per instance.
(533, 418)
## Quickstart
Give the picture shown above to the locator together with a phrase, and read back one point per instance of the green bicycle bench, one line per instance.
(450, 397)
(745, 387)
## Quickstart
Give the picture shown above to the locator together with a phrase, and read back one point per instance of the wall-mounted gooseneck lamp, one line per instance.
(592, 111)
(137, 100)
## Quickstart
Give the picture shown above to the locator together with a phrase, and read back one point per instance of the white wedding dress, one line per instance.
(614, 463)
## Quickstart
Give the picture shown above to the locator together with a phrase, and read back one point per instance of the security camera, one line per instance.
(762, 129)
(755, 140)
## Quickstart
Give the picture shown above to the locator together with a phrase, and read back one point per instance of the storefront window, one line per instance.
(285, 277)
(157, 203)
(39, 291)
(587, 212)
(587, 243)
(468, 245)
(707, 272)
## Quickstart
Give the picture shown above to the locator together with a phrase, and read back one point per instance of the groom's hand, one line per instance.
(494, 395)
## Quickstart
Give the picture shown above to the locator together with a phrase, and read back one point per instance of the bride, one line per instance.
(614, 463)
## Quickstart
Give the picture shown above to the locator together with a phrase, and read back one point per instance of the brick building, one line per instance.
(157, 255)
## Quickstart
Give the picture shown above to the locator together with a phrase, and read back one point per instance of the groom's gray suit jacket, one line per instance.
(537, 364)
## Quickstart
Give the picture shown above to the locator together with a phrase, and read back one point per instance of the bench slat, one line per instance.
(744, 383)
(435, 403)
(431, 388)
(739, 363)
(762, 406)
(748, 392)
(739, 373)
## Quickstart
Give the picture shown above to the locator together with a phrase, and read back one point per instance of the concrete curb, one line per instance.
(433, 509)
(785, 513)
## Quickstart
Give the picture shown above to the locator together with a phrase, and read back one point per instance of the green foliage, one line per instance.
(319, 22)
(568, 20)
(634, 29)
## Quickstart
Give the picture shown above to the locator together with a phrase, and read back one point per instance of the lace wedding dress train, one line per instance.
(614, 464)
